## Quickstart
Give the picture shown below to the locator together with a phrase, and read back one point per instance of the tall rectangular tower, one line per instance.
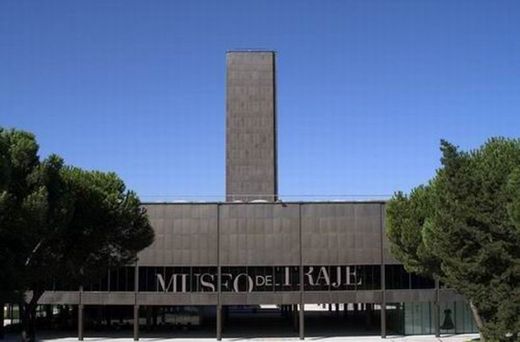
(251, 166)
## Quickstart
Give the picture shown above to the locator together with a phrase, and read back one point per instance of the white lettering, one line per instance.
(250, 284)
(243, 282)
(160, 282)
(287, 281)
(351, 277)
(268, 280)
(323, 274)
(259, 280)
(309, 276)
(225, 283)
(337, 283)
(209, 283)
(172, 284)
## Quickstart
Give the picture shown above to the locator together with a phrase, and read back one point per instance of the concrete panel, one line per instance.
(151, 298)
(59, 297)
(259, 235)
(341, 233)
(364, 296)
(108, 298)
(185, 234)
(260, 298)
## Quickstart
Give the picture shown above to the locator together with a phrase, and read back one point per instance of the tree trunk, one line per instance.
(478, 320)
(28, 316)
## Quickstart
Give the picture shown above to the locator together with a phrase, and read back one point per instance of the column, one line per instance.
(302, 320)
(136, 322)
(219, 322)
(80, 322)
(80, 314)
(436, 310)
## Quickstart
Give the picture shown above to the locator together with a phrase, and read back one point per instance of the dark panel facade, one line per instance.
(259, 234)
(251, 172)
(185, 235)
(341, 233)
(259, 250)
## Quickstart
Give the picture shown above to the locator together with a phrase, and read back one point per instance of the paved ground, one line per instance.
(456, 338)
(320, 325)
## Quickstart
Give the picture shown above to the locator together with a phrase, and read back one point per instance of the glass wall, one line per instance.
(455, 318)
(418, 318)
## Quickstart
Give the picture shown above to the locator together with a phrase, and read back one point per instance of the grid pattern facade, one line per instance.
(251, 127)
(258, 234)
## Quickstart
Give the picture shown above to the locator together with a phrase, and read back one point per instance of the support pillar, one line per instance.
(302, 320)
(136, 322)
(437, 311)
(80, 322)
(80, 313)
(219, 322)
(383, 320)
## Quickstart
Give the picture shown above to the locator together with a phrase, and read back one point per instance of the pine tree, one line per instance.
(465, 228)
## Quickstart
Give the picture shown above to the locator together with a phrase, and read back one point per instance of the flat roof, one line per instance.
(250, 50)
(278, 202)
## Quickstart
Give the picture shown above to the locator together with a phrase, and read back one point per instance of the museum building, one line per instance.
(225, 261)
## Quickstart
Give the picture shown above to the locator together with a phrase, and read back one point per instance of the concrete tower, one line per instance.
(251, 166)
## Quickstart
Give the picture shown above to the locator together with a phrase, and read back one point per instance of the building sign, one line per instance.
(258, 279)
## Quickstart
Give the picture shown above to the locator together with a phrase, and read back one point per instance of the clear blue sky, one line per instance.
(366, 89)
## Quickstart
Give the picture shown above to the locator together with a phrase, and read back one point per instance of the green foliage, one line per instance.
(406, 218)
(61, 222)
(18, 164)
(472, 228)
